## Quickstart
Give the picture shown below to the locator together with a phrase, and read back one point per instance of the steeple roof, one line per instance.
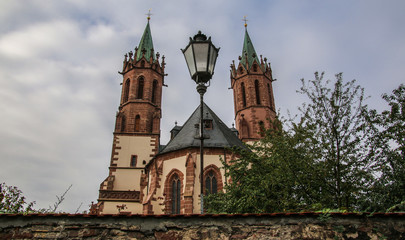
(249, 51)
(220, 136)
(146, 44)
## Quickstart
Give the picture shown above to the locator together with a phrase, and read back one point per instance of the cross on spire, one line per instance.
(245, 20)
(149, 14)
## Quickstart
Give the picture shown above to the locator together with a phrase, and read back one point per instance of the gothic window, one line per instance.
(243, 94)
(241, 70)
(140, 87)
(254, 67)
(257, 91)
(154, 89)
(133, 161)
(123, 123)
(126, 91)
(262, 129)
(211, 186)
(270, 99)
(137, 123)
(142, 63)
(175, 201)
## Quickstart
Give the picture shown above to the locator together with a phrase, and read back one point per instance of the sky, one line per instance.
(60, 87)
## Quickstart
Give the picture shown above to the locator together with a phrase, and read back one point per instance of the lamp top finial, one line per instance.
(245, 20)
(149, 14)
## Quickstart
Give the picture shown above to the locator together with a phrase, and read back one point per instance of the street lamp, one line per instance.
(201, 56)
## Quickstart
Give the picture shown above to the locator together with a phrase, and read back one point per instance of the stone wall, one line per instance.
(249, 226)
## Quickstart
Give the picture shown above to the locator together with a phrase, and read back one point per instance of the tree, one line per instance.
(273, 175)
(389, 189)
(338, 117)
(321, 161)
(13, 201)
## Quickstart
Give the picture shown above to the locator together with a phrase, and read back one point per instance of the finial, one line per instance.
(149, 14)
(245, 20)
(175, 123)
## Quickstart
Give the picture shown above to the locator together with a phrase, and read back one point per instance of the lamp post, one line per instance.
(201, 56)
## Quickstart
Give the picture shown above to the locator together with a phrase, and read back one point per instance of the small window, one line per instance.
(208, 124)
(241, 70)
(137, 123)
(133, 161)
(123, 123)
(262, 128)
(254, 67)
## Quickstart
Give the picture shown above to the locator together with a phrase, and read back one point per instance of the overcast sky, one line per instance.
(60, 90)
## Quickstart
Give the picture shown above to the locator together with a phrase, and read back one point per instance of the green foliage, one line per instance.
(388, 190)
(337, 117)
(338, 155)
(13, 201)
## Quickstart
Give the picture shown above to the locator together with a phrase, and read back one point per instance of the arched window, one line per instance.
(270, 98)
(241, 70)
(262, 129)
(175, 201)
(211, 185)
(154, 89)
(257, 90)
(140, 87)
(243, 94)
(254, 67)
(137, 123)
(123, 123)
(126, 91)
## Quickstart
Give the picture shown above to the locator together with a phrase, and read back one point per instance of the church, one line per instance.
(146, 177)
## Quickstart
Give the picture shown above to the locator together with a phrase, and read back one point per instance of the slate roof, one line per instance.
(220, 136)
(145, 43)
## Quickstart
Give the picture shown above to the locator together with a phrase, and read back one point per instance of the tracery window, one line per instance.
(211, 185)
(175, 201)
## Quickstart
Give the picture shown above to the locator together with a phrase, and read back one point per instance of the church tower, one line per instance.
(137, 129)
(251, 81)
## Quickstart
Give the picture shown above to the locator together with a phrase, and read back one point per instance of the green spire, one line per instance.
(145, 44)
(249, 50)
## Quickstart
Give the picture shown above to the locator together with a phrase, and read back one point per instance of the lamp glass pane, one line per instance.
(213, 59)
(201, 55)
(188, 55)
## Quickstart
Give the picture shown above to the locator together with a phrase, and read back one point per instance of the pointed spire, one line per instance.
(146, 44)
(248, 51)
